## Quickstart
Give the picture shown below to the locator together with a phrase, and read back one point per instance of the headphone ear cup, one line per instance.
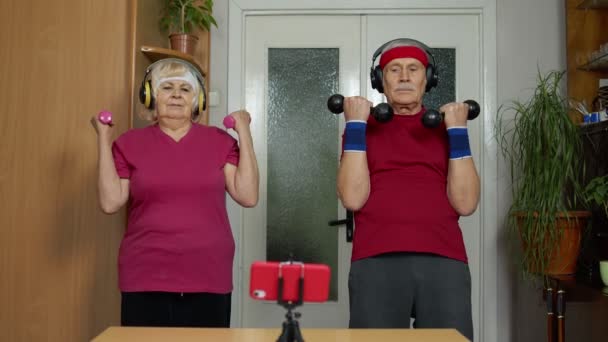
(431, 78)
(142, 93)
(202, 101)
(376, 79)
(145, 95)
(152, 104)
(200, 108)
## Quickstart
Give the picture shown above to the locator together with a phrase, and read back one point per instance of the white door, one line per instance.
(292, 65)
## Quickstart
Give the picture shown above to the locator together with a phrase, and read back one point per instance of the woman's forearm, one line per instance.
(247, 176)
(108, 185)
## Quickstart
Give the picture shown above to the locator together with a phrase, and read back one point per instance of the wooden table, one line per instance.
(123, 334)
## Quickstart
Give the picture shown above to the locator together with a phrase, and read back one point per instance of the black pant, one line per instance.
(386, 290)
(168, 309)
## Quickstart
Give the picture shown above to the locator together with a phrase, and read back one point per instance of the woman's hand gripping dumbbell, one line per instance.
(102, 123)
(382, 112)
(433, 118)
(230, 120)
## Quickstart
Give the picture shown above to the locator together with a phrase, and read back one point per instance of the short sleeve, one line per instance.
(233, 154)
(120, 161)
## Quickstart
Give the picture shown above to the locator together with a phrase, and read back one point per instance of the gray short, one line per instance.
(386, 290)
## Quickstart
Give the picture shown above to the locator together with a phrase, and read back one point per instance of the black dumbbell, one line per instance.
(382, 112)
(433, 118)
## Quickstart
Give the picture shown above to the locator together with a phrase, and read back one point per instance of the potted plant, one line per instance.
(180, 17)
(596, 193)
(542, 147)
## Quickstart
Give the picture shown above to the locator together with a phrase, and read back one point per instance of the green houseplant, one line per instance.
(542, 147)
(180, 17)
(596, 193)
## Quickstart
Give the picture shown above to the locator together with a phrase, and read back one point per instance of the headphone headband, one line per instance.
(414, 42)
(189, 65)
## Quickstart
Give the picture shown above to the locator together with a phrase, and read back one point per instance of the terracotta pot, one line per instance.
(562, 260)
(183, 42)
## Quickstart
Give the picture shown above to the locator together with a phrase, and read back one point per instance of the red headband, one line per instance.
(404, 52)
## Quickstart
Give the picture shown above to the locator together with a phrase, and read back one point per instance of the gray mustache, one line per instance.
(406, 87)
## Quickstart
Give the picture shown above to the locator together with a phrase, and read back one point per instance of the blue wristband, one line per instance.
(458, 138)
(354, 136)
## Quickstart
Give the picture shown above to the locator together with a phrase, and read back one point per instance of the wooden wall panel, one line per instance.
(202, 55)
(147, 33)
(62, 61)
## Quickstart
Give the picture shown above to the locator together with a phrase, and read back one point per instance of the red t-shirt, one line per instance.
(178, 237)
(408, 208)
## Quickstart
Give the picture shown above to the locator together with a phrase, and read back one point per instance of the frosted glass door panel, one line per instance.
(302, 160)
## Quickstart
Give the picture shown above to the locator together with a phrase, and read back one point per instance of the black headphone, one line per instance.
(431, 72)
(146, 96)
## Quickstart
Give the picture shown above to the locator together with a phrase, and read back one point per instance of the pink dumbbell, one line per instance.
(229, 121)
(105, 117)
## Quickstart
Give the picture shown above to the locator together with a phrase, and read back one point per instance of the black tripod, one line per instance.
(291, 328)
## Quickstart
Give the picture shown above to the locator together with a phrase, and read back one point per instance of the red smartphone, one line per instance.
(264, 281)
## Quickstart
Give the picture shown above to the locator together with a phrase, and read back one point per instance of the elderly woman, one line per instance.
(175, 260)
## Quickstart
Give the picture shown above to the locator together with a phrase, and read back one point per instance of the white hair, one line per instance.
(175, 70)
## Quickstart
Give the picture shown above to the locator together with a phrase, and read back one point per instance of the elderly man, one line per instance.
(408, 185)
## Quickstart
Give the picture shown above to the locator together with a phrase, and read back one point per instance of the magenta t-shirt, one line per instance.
(178, 237)
(408, 208)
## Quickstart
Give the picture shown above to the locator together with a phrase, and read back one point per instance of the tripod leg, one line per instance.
(297, 334)
(285, 334)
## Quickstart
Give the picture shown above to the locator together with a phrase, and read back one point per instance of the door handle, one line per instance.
(349, 222)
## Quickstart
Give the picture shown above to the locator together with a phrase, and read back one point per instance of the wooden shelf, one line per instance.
(595, 128)
(593, 4)
(155, 53)
(585, 33)
(598, 64)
